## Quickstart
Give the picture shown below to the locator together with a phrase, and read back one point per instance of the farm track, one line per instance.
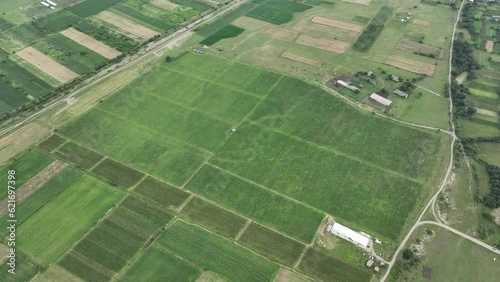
(34, 183)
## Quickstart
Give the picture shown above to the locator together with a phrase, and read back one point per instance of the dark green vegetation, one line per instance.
(373, 30)
(108, 36)
(25, 270)
(225, 20)
(161, 193)
(460, 94)
(78, 155)
(212, 217)
(158, 266)
(71, 54)
(52, 143)
(277, 11)
(195, 4)
(151, 213)
(463, 59)
(164, 26)
(321, 266)
(259, 204)
(226, 32)
(11, 97)
(4, 24)
(26, 166)
(118, 174)
(91, 7)
(492, 200)
(216, 254)
(272, 244)
(23, 79)
(263, 171)
(108, 247)
(57, 21)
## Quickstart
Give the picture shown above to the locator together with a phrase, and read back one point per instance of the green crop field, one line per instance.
(4, 24)
(49, 232)
(214, 218)
(44, 194)
(147, 211)
(226, 32)
(25, 270)
(24, 79)
(156, 265)
(118, 174)
(78, 155)
(257, 203)
(219, 255)
(277, 11)
(52, 143)
(58, 21)
(373, 30)
(271, 244)
(107, 36)
(290, 127)
(328, 268)
(11, 96)
(91, 7)
(159, 24)
(490, 152)
(71, 54)
(161, 193)
(26, 166)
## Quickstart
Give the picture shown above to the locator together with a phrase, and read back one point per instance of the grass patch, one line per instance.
(360, 19)
(373, 30)
(24, 79)
(224, 20)
(78, 155)
(161, 193)
(212, 217)
(118, 174)
(325, 267)
(91, 7)
(49, 232)
(219, 255)
(271, 244)
(490, 152)
(157, 265)
(254, 202)
(162, 25)
(58, 21)
(228, 31)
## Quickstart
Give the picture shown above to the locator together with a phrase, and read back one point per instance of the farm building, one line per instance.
(369, 263)
(347, 85)
(349, 234)
(379, 99)
(400, 93)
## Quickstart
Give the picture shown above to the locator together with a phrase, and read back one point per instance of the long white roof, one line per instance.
(380, 99)
(348, 233)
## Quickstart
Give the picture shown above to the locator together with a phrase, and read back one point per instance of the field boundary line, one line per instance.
(104, 157)
(428, 90)
(60, 146)
(268, 189)
(187, 201)
(243, 229)
(131, 188)
(153, 130)
(299, 260)
(321, 147)
(191, 177)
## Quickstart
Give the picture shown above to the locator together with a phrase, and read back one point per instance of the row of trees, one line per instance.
(463, 58)
(492, 200)
(460, 94)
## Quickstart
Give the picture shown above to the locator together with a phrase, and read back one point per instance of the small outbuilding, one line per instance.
(400, 93)
(369, 263)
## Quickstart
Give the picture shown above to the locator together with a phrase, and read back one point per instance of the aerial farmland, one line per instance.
(247, 140)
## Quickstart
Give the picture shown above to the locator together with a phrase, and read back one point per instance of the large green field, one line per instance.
(284, 126)
(49, 232)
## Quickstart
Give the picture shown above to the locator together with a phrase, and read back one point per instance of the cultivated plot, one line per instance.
(47, 65)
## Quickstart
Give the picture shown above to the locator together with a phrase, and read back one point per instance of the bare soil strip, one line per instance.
(300, 59)
(489, 46)
(47, 65)
(164, 4)
(282, 34)
(362, 2)
(34, 183)
(487, 112)
(209, 276)
(127, 25)
(89, 42)
(461, 78)
(285, 275)
(301, 25)
(411, 46)
(336, 46)
(337, 24)
(421, 22)
(4, 252)
(250, 23)
(21, 139)
(411, 65)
